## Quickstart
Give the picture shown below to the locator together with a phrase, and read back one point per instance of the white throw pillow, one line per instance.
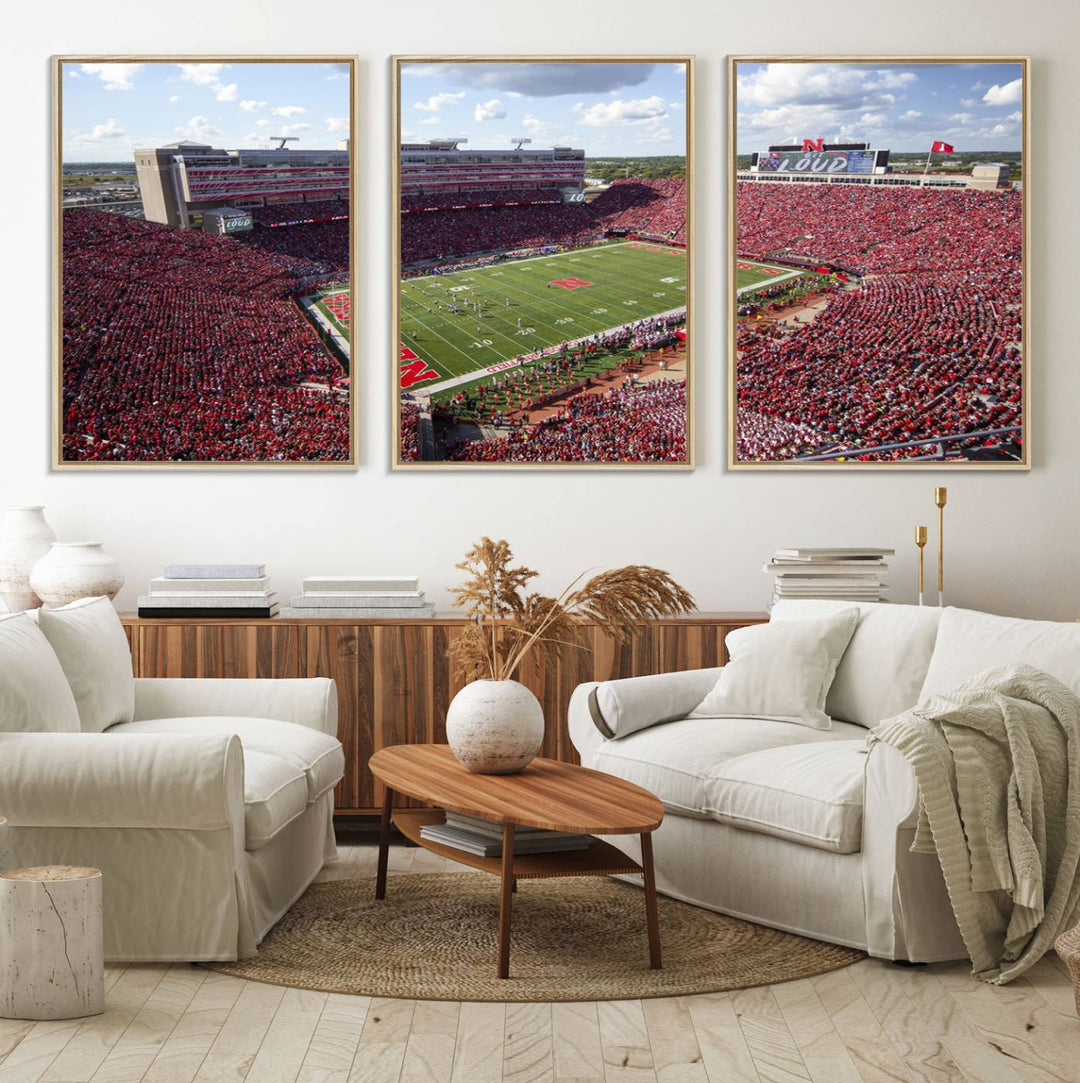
(34, 694)
(93, 649)
(781, 671)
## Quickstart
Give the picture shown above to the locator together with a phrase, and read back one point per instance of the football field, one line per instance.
(334, 303)
(464, 323)
(750, 276)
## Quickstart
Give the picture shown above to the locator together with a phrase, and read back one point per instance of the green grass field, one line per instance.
(751, 276)
(533, 304)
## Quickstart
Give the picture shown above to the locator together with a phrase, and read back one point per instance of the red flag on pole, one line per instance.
(941, 148)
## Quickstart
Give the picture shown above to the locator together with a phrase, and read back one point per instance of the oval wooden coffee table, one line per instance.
(547, 794)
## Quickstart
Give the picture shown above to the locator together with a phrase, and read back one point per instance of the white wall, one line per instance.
(1013, 538)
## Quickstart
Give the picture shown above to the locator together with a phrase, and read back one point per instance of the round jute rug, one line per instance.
(434, 938)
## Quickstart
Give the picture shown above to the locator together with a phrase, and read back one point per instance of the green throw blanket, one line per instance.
(998, 767)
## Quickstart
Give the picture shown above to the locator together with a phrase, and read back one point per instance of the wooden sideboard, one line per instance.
(394, 682)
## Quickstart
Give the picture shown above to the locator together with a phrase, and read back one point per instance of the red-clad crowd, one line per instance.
(409, 432)
(280, 214)
(435, 201)
(181, 345)
(927, 344)
(632, 424)
(654, 208)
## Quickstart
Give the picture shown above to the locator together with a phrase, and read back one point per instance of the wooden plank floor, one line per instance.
(872, 1021)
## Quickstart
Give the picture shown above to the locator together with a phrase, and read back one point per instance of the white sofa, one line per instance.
(207, 804)
(804, 829)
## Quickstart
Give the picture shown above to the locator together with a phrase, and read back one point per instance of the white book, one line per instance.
(824, 581)
(202, 586)
(215, 571)
(361, 582)
(400, 600)
(310, 612)
(805, 567)
(212, 597)
(194, 601)
(833, 554)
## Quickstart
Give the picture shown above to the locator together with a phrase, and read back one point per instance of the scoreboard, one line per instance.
(829, 162)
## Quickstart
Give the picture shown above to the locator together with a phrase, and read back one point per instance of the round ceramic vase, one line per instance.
(495, 727)
(74, 570)
(25, 537)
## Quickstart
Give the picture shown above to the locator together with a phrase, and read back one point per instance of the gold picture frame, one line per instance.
(399, 462)
(841, 457)
(345, 67)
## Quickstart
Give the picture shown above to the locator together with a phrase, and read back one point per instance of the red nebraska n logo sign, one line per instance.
(813, 144)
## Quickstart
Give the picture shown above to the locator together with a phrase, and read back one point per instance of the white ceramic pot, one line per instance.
(74, 570)
(25, 537)
(495, 727)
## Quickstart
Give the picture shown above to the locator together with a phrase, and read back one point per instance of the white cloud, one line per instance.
(262, 122)
(114, 76)
(675, 105)
(198, 128)
(539, 80)
(201, 74)
(489, 110)
(838, 85)
(1015, 117)
(174, 98)
(1009, 94)
(911, 114)
(225, 92)
(437, 101)
(252, 105)
(872, 120)
(635, 111)
(288, 111)
(967, 103)
(961, 118)
(295, 129)
(337, 124)
(110, 129)
(431, 120)
(513, 93)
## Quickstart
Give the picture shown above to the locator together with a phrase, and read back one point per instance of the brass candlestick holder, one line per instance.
(941, 495)
(920, 541)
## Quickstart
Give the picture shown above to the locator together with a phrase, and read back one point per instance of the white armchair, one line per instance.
(207, 804)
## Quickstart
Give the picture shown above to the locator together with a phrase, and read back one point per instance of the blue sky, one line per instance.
(110, 108)
(900, 107)
(606, 108)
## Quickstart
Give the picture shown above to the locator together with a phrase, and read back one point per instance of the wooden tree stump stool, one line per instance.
(52, 955)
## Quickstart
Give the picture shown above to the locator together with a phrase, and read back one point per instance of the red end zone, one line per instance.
(569, 283)
(413, 370)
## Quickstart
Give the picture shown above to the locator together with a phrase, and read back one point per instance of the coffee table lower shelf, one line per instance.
(600, 859)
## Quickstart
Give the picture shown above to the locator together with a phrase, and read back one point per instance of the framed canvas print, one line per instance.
(878, 262)
(204, 268)
(542, 262)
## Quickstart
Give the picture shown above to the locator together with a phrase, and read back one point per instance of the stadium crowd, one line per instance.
(181, 345)
(646, 423)
(651, 208)
(926, 345)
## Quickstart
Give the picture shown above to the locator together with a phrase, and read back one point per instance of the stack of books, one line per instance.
(360, 597)
(484, 837)
(210, 590)
(850, 575)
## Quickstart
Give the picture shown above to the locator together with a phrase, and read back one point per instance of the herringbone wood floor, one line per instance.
(871, 1021)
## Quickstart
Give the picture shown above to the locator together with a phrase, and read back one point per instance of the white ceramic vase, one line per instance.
(25, 537)
(74, 570)
(495, 727)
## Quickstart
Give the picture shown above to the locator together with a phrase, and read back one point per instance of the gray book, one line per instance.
(403, 600)
(365, 613)
(225, 586)
(215, 571)
(354, 583)
(195, 601)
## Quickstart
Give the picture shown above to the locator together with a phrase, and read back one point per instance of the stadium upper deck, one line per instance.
(442, 168)
(182, 181)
